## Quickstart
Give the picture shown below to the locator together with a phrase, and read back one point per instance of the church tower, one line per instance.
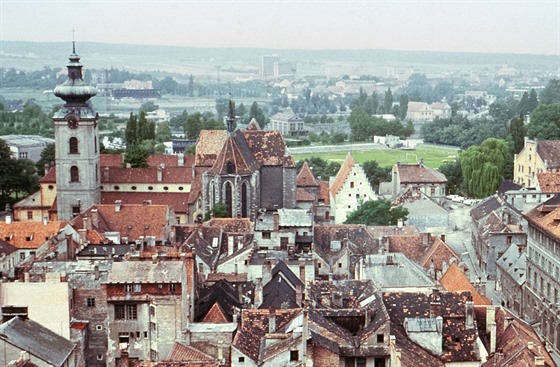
(77, 144)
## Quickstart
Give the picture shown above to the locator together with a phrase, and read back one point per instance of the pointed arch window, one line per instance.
(230, 167)
(74, 174)
(244, 200)
(73, 145)
(229, 198)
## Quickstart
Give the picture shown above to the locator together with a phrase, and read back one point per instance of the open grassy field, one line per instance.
(433, 156)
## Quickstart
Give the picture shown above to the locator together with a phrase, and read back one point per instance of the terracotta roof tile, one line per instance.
(304, 196)
(305, 177)
(208, 145)
(215, 315)
(178, 201)
(235, 152)
(29, 235)
(131, 220)
(549, 181)
(324, 192)
(148, 175)
(438, 252)
(112, 160)
(185, 353)
(418, 173)
(454, 280)
(549, 151)
(546, 216)
(49, 177)
(342, 174)
(268, 148)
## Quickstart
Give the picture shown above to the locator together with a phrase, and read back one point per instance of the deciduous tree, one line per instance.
(377, 213)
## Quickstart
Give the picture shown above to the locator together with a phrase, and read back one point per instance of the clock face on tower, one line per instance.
(72, 121)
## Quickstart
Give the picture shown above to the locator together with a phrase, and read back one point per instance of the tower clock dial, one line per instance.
(72, 121)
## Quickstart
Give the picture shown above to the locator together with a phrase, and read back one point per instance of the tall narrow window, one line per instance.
(229, 199)
(244, 200)
(73, 142)
(74, 174)
(230, 167)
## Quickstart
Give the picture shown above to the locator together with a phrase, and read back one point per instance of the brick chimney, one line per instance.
(469, 309)
(188, 286)
(491, 327)
(272, 321)
(95, 217)
(118, 205)
(160, 172)
(276, 221)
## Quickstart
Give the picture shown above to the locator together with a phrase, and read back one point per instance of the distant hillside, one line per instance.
(35, 55)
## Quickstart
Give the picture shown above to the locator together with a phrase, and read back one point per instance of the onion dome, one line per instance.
(74, 90)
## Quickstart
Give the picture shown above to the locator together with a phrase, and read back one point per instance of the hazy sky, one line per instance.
(529, 26)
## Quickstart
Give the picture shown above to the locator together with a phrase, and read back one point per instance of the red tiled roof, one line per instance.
(115, 175)
(177, 200)
(49, 177)
(305, 177)
(208, 145)
(29, 235)
(215, 315)
(241, 160)
(454, 280)
(549, 181)
(324, 192)
(303, 196)
(547, 217)
(438, 252)
(268, 148)
(112, 160)
(185, 353)
(342, 174)
(549, 151)
(418, 173)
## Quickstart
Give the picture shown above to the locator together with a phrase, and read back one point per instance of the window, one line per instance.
(22, 255)
(90, 302)
(100, 357)
(241, 359)
(172, 287)
(266, 235)
(352, 184)
(380, 338)
(137, 288)
(128, 288)
(29, 215)
(22, 155)
(126, 312)
(73, 145)
(98, 327)
(294, 355)
(230, 167)
(74, 174)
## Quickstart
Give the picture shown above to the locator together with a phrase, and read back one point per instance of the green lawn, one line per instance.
(433, 156)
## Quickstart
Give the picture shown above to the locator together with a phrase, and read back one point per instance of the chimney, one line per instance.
(8, 219)
(439, 324)
(9, 312)
(435, 304)
(304, 336)
(71, 252)
(272, 321)
(47, 167)
(83, 235)
(442, 236)
(400, 223)
(299, 295)
(96, 272)
(95, 217)
(469, 305)
(230, 245)
(160, 172)
(491, 327)
(87, 224)
(188, 286)
(276, 221)
(180, 159)
(118, 204)
(539, 360)
(302, 271)
(106, 174)
(507, 321)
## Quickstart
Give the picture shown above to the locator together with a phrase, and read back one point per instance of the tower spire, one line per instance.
(231, 116)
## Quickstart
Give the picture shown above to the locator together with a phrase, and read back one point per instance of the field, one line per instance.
(433, 156)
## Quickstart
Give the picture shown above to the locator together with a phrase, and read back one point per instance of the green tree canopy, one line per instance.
(47, 157)
(484, 167)
(376, 174)
(551, 93)
(137, 155)
(219, 210)
(377, 213)
(545, 122)
(320, 167)
(197, 122)
(517, 134)
(453, 173)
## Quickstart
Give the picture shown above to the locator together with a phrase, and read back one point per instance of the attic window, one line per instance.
(380, 338)
(241, 359)
(230, 167)
(29, 238)
(294, 355)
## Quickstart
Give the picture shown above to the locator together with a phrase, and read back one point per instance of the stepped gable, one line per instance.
(267, 147)
(208, 145)
(342, 174)
(235, 151)
(454, 280)
(305, 177)
(549, 151)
